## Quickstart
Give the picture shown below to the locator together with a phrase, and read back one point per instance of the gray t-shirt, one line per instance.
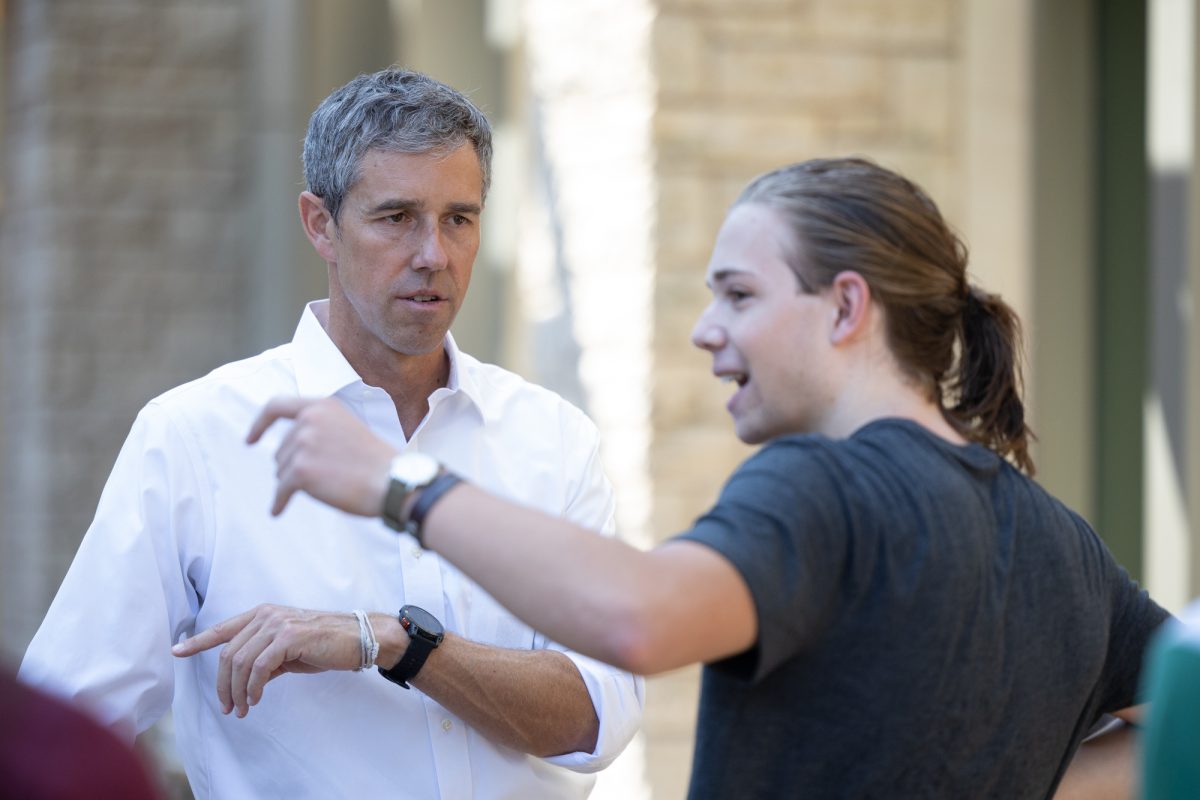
(932, 624)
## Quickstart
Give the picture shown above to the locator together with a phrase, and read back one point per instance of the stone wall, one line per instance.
(120, 273)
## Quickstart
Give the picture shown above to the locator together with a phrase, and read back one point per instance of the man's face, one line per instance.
(764, 334)
(400, 257)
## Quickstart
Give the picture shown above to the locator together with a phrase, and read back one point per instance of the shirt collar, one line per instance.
(322, 370)
(462, 374)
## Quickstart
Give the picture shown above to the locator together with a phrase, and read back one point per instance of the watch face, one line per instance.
(425, 624)
(414, 469)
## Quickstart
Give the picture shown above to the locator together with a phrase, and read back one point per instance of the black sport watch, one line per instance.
(425, 634)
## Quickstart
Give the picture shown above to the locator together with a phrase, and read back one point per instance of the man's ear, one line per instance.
(852, 300)
(319, 226)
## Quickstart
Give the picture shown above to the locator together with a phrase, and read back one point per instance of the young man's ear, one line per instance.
(852, 299)
(318, 225)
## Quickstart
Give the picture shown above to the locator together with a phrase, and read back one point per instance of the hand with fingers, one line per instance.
(267, 641)
(328, 453)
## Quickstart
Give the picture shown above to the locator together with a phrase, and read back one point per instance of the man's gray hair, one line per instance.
(394, 110)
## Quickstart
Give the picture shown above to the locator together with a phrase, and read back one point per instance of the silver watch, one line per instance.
(408, 472)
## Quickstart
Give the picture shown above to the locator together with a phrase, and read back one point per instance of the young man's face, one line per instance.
(403, 250)
(768, 337)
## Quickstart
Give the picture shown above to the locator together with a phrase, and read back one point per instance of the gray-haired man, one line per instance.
(397, 167)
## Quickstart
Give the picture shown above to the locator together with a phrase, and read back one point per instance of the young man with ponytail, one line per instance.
(887, 604)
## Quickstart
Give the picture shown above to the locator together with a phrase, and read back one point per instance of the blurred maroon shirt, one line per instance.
(50, 750)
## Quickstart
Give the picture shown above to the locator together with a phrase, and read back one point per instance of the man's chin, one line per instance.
(409, 343)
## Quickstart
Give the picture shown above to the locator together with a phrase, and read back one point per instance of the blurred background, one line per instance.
(148, 229)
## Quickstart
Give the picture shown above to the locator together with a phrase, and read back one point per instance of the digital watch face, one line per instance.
(426, 624)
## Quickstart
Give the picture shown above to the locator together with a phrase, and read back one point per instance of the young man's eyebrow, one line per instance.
(722, 275)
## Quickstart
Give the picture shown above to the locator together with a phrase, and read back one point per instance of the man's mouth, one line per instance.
(740, 378)
(422, 298)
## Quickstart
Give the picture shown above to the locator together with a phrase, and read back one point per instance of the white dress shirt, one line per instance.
(183, 538)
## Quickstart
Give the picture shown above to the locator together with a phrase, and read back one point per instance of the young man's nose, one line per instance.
(707, 335)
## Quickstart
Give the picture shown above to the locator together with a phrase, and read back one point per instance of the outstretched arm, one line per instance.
(534, 701)
(646, 612)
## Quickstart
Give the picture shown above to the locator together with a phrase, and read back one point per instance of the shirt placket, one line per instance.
(422, 579)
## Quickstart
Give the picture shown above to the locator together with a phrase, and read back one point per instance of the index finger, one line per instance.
(277, 408)
(220, 633)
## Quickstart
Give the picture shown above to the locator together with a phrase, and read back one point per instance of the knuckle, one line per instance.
(301, 469)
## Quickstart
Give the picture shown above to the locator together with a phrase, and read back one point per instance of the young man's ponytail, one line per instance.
(985, 388)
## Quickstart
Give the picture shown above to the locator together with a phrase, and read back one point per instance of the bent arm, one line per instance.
(533, 701)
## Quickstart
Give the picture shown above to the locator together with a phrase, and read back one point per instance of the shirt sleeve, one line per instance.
(106, 639)
(618, 697)
(783, 521)
(1135, 619)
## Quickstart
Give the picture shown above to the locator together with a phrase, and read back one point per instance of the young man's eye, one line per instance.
(399, 216)
(459, 219)
(737, 295)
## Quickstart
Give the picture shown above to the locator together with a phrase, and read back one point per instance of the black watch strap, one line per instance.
(425, 500)
(421, 643)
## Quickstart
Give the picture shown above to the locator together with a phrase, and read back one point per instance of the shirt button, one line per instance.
(447, 725)
(416, 552)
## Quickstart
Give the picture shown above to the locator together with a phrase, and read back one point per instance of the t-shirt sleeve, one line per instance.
(1135, 618)
(782, 520)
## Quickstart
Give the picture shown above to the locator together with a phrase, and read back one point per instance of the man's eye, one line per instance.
(459, 219)
(737, 295)
(399, 216)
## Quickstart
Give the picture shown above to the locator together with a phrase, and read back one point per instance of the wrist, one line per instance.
(393, 639)
(407, 473)
(425, 633)
(424, 500)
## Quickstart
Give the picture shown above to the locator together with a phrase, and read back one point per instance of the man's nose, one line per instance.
(431, 250)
